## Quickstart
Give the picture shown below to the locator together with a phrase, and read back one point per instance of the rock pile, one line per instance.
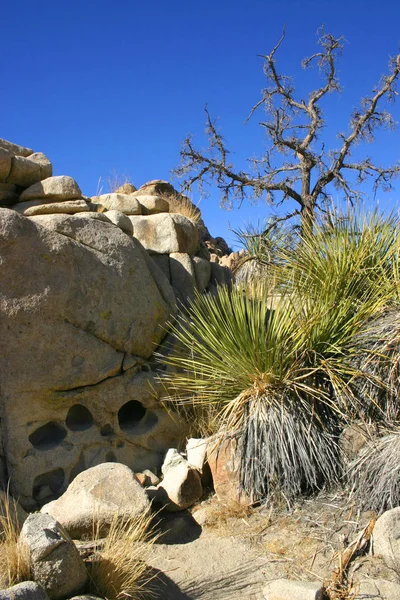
(88, 286)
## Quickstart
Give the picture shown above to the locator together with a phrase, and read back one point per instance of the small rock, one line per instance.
(53, 189)
(155, 187)
(285, 589)
(181, 486)
(97, 495)
(27, 590)
(55, 561)
(147, 478)
(126, 188)
(386, 537)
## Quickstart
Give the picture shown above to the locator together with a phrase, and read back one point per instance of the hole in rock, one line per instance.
(133, 418)
(110, 457)
(48, 436)
(79, 418)
(48, 486)
(106, 430)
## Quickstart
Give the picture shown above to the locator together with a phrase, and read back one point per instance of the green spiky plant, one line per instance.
(281, 380)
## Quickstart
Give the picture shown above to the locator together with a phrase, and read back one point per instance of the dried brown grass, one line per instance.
(119, 570)
(182, 205)
(14, 556)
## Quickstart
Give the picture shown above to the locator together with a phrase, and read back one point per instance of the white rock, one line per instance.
(196, 452)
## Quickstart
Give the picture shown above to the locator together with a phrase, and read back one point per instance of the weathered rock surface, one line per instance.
(125, 203)
(165, 233)
(53, 189)
(15, 149)
(36, 207)
(223, 462)
(25, 172)
(55, 561)
(202, 272)
(182, 275)
(120, 220)
(27, 590)
(285, 589)
(386, 537)
(8, 193)
(151, 205)
(96, 496)
(5, 163)
(82, 309)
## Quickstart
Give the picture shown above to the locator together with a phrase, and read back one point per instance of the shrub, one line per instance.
(281, 380)
(119, 569)
(14, 556)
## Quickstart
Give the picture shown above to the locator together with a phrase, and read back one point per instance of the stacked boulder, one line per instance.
(88, 288)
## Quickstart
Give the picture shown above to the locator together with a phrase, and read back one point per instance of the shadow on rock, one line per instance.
(176, 528)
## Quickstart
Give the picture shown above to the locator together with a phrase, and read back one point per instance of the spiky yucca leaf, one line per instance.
(253, 365)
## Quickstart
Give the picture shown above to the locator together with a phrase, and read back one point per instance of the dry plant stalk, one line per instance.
(119, 570)
(338, 588)
(14, 556)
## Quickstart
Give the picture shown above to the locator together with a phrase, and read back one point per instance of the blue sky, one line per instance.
(103, 87)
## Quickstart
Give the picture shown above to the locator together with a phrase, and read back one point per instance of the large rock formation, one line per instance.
(83, 306)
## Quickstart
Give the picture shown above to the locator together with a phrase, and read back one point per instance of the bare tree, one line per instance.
(297, 165)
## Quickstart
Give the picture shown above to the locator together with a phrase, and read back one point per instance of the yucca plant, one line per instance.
(263, 244)
(282, 380)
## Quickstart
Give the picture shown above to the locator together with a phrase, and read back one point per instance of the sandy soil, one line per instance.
(234, 552)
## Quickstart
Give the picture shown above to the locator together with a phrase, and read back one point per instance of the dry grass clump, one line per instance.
(119, 569)
(14, 556)
(182, 205)
(375, 475)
